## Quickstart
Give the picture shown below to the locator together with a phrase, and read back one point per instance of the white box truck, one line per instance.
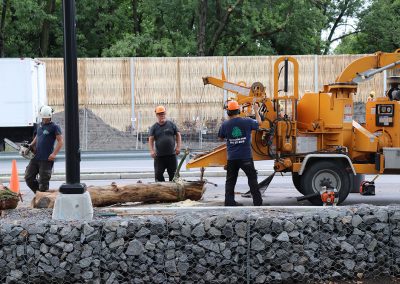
(23, 92)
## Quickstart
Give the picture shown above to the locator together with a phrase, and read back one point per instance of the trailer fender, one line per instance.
(311, 157)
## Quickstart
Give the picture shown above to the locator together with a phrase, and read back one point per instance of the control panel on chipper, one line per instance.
(384, 114)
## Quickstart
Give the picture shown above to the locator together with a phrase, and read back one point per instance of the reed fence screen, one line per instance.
(121, 93)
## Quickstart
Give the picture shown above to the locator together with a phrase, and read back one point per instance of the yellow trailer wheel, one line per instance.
(330, 173)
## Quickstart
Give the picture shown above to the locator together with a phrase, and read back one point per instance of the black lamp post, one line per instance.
(72, 151)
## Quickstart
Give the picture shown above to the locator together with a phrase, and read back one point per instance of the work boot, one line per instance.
(248, 194)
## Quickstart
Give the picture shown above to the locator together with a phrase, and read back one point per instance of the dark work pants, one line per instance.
(38, 174)
(169, 163)
(231, 177)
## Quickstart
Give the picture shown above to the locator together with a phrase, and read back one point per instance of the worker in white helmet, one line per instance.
(39, 170)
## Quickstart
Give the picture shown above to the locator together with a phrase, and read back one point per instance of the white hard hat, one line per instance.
(46, 112)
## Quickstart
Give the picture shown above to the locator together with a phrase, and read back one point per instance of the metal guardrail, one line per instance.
(91, 155)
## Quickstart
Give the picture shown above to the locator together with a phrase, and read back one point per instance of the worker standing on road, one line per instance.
(237, 132)
(45, 152)
(167, 139)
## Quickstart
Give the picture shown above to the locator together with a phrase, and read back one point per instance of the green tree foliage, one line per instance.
(34, 28)
(166, 29)
(100, 24)
(230, 27)
(379, 29)
(31, 28)
(338, 16)
(347, 45)
(22, 28)
(301, 29)
(273, 27)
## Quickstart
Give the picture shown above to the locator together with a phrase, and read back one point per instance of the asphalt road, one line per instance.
(89, 165)
(108, 162)
(281, 192)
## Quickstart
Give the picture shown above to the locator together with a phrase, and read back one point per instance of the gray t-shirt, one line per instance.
(164, 137)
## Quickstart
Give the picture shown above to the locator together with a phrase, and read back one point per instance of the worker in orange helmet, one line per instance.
(165, 144)
(237, 133)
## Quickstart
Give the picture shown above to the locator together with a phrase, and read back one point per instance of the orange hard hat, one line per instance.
(160, 109)
(233, 105)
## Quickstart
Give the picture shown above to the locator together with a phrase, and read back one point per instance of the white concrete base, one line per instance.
(73, 207)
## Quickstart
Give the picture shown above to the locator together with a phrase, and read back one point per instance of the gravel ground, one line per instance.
(31, 215)
(25, 214)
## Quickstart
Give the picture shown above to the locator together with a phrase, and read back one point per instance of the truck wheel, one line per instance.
(326, 173)
(296, 178)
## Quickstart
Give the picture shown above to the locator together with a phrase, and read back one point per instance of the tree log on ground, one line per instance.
(140, 192)
(8, 198)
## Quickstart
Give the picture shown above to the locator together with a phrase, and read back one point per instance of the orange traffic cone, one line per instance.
(14, 181)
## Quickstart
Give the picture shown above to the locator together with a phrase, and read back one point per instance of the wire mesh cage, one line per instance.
(333, 245)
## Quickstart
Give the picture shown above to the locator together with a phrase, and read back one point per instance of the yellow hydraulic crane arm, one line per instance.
(246, 96)
(243, 93)
(231, 87)
(366, 67)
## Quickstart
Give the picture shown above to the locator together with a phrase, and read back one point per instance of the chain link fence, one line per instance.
(95, 135)
(199, 132)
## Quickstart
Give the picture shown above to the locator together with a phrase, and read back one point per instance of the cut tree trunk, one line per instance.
(139, 192)
(8, 199)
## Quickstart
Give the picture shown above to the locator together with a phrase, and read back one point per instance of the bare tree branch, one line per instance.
(345, 35)
(347, 25)
(221, 27)
(335, 25)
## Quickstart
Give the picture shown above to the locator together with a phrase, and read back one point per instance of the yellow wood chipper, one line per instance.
(315, 137)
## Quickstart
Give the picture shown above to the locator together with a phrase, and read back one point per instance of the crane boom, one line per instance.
(231, 87)
(367, 66)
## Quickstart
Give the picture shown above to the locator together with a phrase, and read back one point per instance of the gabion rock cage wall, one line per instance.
(246, 246)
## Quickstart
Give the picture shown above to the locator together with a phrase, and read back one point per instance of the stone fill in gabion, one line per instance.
(226, 246)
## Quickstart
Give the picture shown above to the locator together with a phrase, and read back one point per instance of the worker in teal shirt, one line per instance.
(237, 133)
